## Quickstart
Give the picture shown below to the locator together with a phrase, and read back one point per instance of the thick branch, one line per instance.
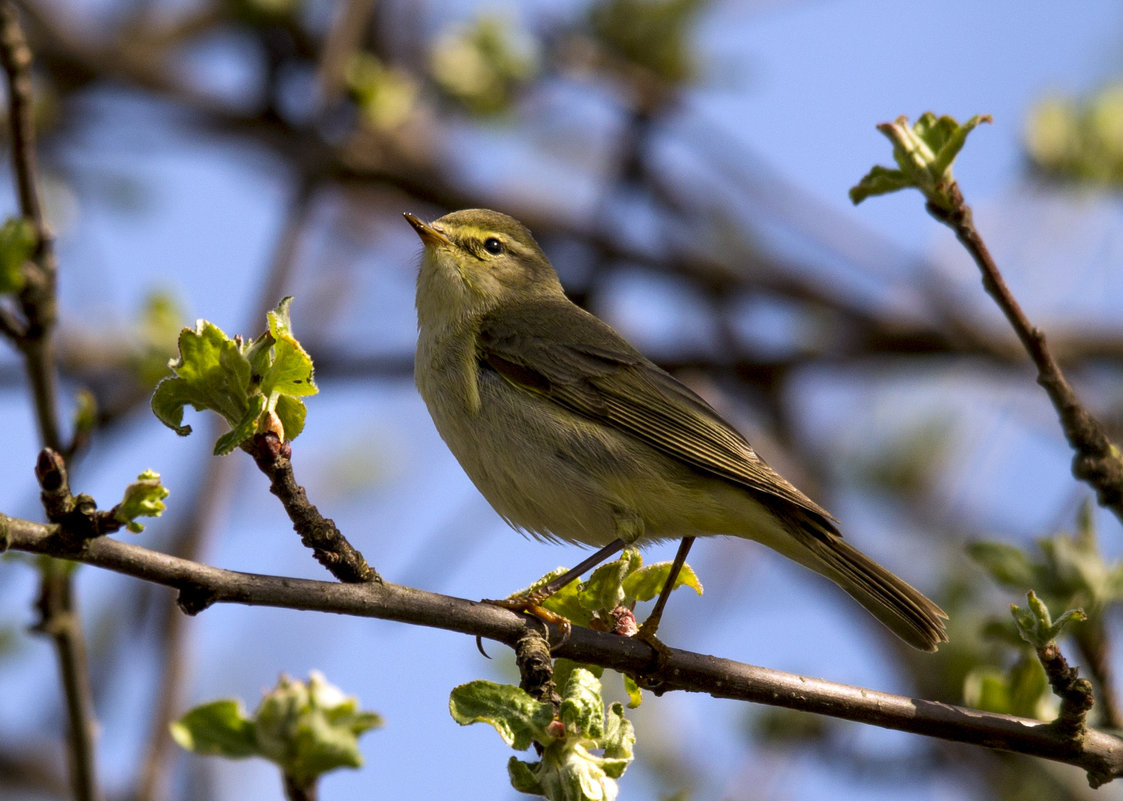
(1099, 754)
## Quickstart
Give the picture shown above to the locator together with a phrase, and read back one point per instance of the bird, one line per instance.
(574, 436)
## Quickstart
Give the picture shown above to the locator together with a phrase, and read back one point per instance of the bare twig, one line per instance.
(33, 335)
(199, 585)
(1097, 459)
(205, 508)
(317, 532)
(1075, 693)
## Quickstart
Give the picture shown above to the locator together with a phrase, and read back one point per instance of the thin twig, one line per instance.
(317, 532)
(1097, 460)
(175, 661)
(37, 299)
(1098, 753)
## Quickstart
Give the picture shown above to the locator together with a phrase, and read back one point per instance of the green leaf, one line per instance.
(604, 588)
(1036, 626)
(210, 373)
(292, 413)
(220, 728)
(522, 776)
(878, 181)
(634, 691)
(143, 498)
(582, 709)
(253, 387)
(568, 769)
(647, 582)
(306, 728)
(241, 429)
(483, 65)
(385, 95)
(618, 742)
(1023, 690)
(1007, 564)
(924, 154)
(655, 35)
(517, 717)
(310, 728)
(290, 373)
(18, 242)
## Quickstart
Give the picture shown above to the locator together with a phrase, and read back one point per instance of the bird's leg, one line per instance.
(531, 602)
(651, 625)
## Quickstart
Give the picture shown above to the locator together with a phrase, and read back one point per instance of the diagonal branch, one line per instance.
(1098, 753)
(1097, 459)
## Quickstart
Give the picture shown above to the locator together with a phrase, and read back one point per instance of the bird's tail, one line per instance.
(903, 609)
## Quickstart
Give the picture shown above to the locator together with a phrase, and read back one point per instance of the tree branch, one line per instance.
(1097, 460)
(1099, 754)
(34, 336)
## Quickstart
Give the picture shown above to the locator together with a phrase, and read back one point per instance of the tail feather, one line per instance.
(903, 609)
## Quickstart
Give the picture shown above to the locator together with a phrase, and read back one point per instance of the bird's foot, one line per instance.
(531, 604)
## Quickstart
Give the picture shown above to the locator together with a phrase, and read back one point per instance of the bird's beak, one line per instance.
(429, 235)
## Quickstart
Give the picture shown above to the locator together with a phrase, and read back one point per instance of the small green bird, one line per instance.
(573, 435)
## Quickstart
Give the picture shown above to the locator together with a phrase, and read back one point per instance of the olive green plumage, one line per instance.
(572, 434)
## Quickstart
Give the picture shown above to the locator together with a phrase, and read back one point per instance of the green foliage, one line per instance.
(1078, 140)
(622, 582)
(143, 498)
(386, 96)
(653, 34)
(161, 319)
(1036, 626)
(1022, 690)
(567, 770)
(254, 386)
(84, 416)
(483, 65)
(306, 728)
(924, 154)
(1069, 571)
(17, 244)
(519, 719)
(609, 595)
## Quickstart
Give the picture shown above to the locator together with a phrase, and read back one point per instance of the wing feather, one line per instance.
(555, 349)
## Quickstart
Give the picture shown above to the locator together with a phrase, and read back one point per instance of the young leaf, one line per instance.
(924, 154)
(582, 709)
(255, 387)
(647, 582)
(17, 244)
(1036, 625)
(143, 498)
(210, 373)
(1007, 564)
(567, 770)
(220, 728)
(519, 719)
(306, 728)
(290, 372)
(310, 728)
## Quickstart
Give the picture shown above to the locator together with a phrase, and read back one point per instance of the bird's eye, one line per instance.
(493, 246)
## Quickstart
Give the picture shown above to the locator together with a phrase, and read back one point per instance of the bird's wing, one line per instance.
(557, 350)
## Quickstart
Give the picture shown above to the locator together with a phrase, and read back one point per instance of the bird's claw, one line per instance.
(531, 605)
